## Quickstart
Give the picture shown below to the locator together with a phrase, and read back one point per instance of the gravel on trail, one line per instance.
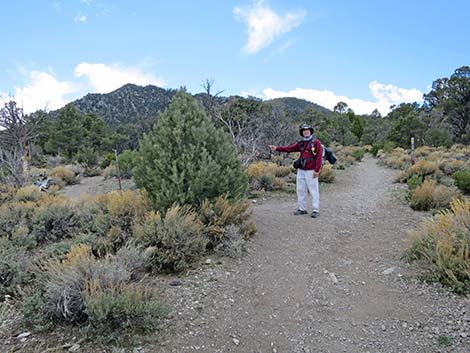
(331, 284)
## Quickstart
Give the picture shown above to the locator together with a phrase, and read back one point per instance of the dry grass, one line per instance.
(430, 195)
(258, 169)
(326, 174)
(222, 213)
(63, 176)
(443, 243)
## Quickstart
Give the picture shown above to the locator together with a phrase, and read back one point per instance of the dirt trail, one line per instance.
(332, 284)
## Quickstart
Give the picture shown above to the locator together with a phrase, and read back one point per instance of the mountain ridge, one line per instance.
(132, 102)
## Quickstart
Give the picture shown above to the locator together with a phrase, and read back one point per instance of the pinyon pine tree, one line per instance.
(186, 159)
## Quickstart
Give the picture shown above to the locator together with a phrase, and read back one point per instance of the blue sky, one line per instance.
(370, 54)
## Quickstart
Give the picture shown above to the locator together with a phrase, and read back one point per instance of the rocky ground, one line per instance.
(331, 284)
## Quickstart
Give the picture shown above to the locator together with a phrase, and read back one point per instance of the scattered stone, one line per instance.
(175, 283)
(389, 270)
(74, 348)
(208, 261)
(23, 335)
(236, 341)
(333, 278)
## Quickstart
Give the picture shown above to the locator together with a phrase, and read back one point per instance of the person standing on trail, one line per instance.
(309, 165)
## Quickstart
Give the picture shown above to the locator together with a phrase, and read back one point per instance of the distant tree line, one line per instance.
(251, 124)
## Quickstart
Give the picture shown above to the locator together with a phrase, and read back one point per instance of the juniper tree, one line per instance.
(186, 159)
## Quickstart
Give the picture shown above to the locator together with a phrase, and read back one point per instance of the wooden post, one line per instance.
(118, 170)
(413, 159)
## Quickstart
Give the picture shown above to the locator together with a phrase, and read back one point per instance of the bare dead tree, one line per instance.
(207, 84)
(17, 133)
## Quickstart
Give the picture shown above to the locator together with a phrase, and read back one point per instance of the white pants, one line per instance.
(306, 183)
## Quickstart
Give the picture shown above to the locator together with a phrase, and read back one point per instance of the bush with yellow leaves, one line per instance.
(326, 174)
(431, 195)
(222, 213)
(442, 245)
(63, 176)
(258, 169)
(124, 208)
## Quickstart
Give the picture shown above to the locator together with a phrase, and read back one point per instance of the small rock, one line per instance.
(333, 278)
(236, 341)
(463, 334)
(175, 283)
(383, 327)
(208, 261)
(389, 270)
(74, 348)
(23, 335)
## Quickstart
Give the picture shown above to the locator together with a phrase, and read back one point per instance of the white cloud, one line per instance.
(82, 19)
(394, 94)
(43, 91)
(104, 78)
(265, 25)
(386, 95)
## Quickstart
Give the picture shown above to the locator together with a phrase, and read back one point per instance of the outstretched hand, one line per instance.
(272, 147)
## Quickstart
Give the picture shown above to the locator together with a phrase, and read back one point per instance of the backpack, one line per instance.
(328, 154)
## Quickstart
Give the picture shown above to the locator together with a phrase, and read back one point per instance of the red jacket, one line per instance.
(313, 152)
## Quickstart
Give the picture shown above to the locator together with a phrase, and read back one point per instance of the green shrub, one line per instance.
(358, 154)
(172, 242)
(33, 310)
(375, 148)
(14, 215)
(87, 156)
(265, 182)
(63, 292)
(324, 137)
(414, 182)
(388, 146)
(127, 161)
(55, 222)
(186, 159)
(438, 137)
(14, 268)
(117, 311)
(107, 160)
(462, 180)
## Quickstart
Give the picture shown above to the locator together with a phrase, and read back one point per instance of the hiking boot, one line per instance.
(300, 212)
(315, 214)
